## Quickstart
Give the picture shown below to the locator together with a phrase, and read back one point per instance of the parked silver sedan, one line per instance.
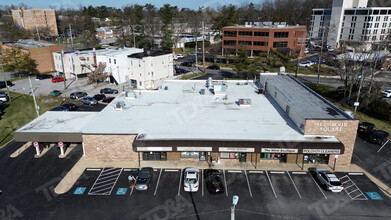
(191, 180)
(89, 100)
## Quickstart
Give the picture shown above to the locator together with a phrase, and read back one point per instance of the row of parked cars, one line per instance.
(368, 132)
(214, 181)
(93, 100)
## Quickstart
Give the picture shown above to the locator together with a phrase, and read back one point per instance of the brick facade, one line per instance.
(42, 18)
(111, 148)
(344, 130)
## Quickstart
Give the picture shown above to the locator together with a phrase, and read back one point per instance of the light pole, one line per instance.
(235, 200)
(320, 55)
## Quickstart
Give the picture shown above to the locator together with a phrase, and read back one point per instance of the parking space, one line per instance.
(283, 185)
(105, 182)
(237, 183)
(85, 181)
(307, 186)
(260, 184)
(169, 183)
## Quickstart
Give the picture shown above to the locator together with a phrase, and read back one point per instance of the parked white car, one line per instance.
(191, 180)
(387, 94)
(306, 64)
(306, 50)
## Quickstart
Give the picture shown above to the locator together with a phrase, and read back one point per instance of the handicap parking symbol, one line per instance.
(121, 191)
(79, 190)
(374, 196)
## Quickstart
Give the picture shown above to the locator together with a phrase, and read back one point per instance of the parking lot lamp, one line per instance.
(235, 200)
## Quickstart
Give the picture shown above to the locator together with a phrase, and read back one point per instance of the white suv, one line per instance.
(387, 94)
(4, 97)
(191, 180)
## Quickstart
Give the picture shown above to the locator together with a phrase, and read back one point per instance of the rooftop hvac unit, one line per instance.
(282, 70)
(245, 102)
(130, 95)
(166, 88)
(202, 91)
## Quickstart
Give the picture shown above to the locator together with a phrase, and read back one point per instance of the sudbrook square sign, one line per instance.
(331, 126)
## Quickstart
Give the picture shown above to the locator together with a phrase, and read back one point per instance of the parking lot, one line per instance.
(280, 185)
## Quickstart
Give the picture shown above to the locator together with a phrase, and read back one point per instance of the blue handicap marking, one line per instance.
(374, 196)
(121, 191)
(79, 190)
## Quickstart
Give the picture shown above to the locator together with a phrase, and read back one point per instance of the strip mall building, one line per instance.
(275, 119)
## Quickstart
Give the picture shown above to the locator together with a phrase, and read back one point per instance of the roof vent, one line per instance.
(202, 91)
(166, 88)
(119, 105)
(130, 95)
(244, 102)
(282, 70)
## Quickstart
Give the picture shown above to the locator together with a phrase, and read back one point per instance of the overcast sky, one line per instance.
(192, 4)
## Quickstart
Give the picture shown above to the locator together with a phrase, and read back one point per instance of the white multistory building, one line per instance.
(350, 21)
(136, 67)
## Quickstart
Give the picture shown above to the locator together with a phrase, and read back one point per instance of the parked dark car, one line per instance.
(70, 106)
(2, 84)
(59, 109)
(108, 91)
(99, 97)
(78, 95)
(108, 99)
(214, 67)
(326, 179)
(55, 93)
(43, 76)
(213, 181)
(180, 70)
(378, 137)
(365, 129)
(144, 178)
(188, 64)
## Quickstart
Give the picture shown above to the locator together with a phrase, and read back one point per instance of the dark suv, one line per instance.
(108, 91)
(365, 129)
(78, 95)
(2, 84)
(378, 137)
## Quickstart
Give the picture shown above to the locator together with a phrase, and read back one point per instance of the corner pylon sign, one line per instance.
(60, 144)
(36, 144)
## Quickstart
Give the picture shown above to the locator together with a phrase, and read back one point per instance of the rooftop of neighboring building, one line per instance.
(149, 53)
(267, 24)
(29, 43)
(107, 51)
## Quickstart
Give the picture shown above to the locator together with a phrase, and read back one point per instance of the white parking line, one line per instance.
(234, 171)
(179, 186)
(225, 181)
(93, 169)
(248, 184)
(255, 171)
(271, 185)
(355, 174)
(127, 170)
(294, 185)
(202, 179)
(277, 172)
(299, 172)
(171, 170)
(320, 189)
(158, 180)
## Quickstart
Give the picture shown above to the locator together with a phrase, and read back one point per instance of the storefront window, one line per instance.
(190, 154)
(271, 156)
(229, 155)
(154, 155)
(316, 158)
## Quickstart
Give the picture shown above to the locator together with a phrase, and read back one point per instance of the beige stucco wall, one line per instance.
(111, 148)
(344, 130)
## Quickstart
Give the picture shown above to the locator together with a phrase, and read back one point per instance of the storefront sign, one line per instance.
(195, 149)
(236, 149)
(154, 148)
(331, 126)
(279, 150)
(321, 151)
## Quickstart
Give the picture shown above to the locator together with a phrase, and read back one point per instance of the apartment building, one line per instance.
(258, 37)
(350, 21)
(39, 51)
(36, 19)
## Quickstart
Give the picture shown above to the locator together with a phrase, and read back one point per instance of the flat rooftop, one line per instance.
(29, 43)
(305, 102)
(107, 51)
(182, 113)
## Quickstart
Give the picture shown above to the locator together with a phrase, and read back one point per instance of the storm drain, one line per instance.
(105, 182)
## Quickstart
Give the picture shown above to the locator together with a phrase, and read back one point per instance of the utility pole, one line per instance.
(35, 101)
(63, 69)
(203, 45)
(320, 55)
(36, 27)
(70, 30)
(196, 49)
(6, 85)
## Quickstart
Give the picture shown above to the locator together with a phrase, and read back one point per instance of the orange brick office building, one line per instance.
(258, 37)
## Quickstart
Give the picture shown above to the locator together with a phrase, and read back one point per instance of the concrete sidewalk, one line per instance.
(73, 175)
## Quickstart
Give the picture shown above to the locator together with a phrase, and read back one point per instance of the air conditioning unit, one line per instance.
(245, 102)
(202, 91)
